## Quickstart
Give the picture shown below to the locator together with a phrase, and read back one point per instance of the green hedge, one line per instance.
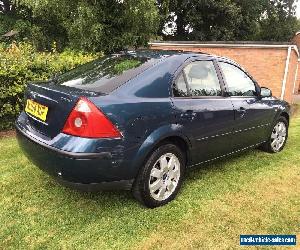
(21, 63)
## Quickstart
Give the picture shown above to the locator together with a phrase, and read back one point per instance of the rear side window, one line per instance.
(238, 82)
(105, 74)
(202, 79)
(180, 88)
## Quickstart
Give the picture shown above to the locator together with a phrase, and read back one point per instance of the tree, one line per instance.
(213, 20)
(7, 7)
(229, 19)
(102, 25)
(279, 22)
(250, 15)
(98, 25)
(9, 15)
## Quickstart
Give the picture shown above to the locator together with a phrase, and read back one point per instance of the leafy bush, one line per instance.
(20, 64)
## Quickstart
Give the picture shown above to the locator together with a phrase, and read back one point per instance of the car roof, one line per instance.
(155, 81)
(178, 54)
(157, 54)
(153, 61)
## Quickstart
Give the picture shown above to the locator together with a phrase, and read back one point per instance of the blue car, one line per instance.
(138, 120)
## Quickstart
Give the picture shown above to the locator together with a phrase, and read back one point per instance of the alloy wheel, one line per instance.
(278, 136)
(164, 177)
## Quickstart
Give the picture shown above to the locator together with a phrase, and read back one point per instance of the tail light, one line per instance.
(86, 120)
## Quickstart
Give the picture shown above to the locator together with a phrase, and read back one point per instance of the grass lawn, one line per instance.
(252, 193)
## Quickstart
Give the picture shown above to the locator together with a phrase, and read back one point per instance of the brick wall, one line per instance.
(266, 65)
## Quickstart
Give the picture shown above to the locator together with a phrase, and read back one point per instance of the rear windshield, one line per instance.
(105, 74)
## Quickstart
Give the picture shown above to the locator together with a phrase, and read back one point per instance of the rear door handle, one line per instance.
(242, 111)
(189, 114)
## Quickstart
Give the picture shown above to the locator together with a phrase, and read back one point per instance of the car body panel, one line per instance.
(207, 122)
(253, 118)
(254, 115)
(59, 99)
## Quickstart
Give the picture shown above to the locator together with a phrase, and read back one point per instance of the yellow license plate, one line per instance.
(37, 110)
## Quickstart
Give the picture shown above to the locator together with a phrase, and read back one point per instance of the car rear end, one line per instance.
(49, 133)
(64, 133)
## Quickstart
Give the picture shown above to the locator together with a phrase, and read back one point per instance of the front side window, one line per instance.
(238, 82)
(202, 79)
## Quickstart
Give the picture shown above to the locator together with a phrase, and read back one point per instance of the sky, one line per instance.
(298, 9)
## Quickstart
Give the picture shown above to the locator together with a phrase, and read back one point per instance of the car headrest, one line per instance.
(198, 72)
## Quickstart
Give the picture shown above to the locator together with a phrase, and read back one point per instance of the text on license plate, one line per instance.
(37, 110)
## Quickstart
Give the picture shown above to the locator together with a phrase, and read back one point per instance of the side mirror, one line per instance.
(265, 92)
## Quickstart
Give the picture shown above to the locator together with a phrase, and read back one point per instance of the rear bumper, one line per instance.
(84, 171)
(82, 156)
(93, 187)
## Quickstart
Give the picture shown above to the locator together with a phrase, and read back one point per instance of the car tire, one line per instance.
(278, 136)
(160, 179)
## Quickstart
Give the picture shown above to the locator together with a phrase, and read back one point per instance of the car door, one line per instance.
(206, 116)
(253, 115)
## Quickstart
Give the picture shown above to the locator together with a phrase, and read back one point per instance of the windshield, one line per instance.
(105, 74)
